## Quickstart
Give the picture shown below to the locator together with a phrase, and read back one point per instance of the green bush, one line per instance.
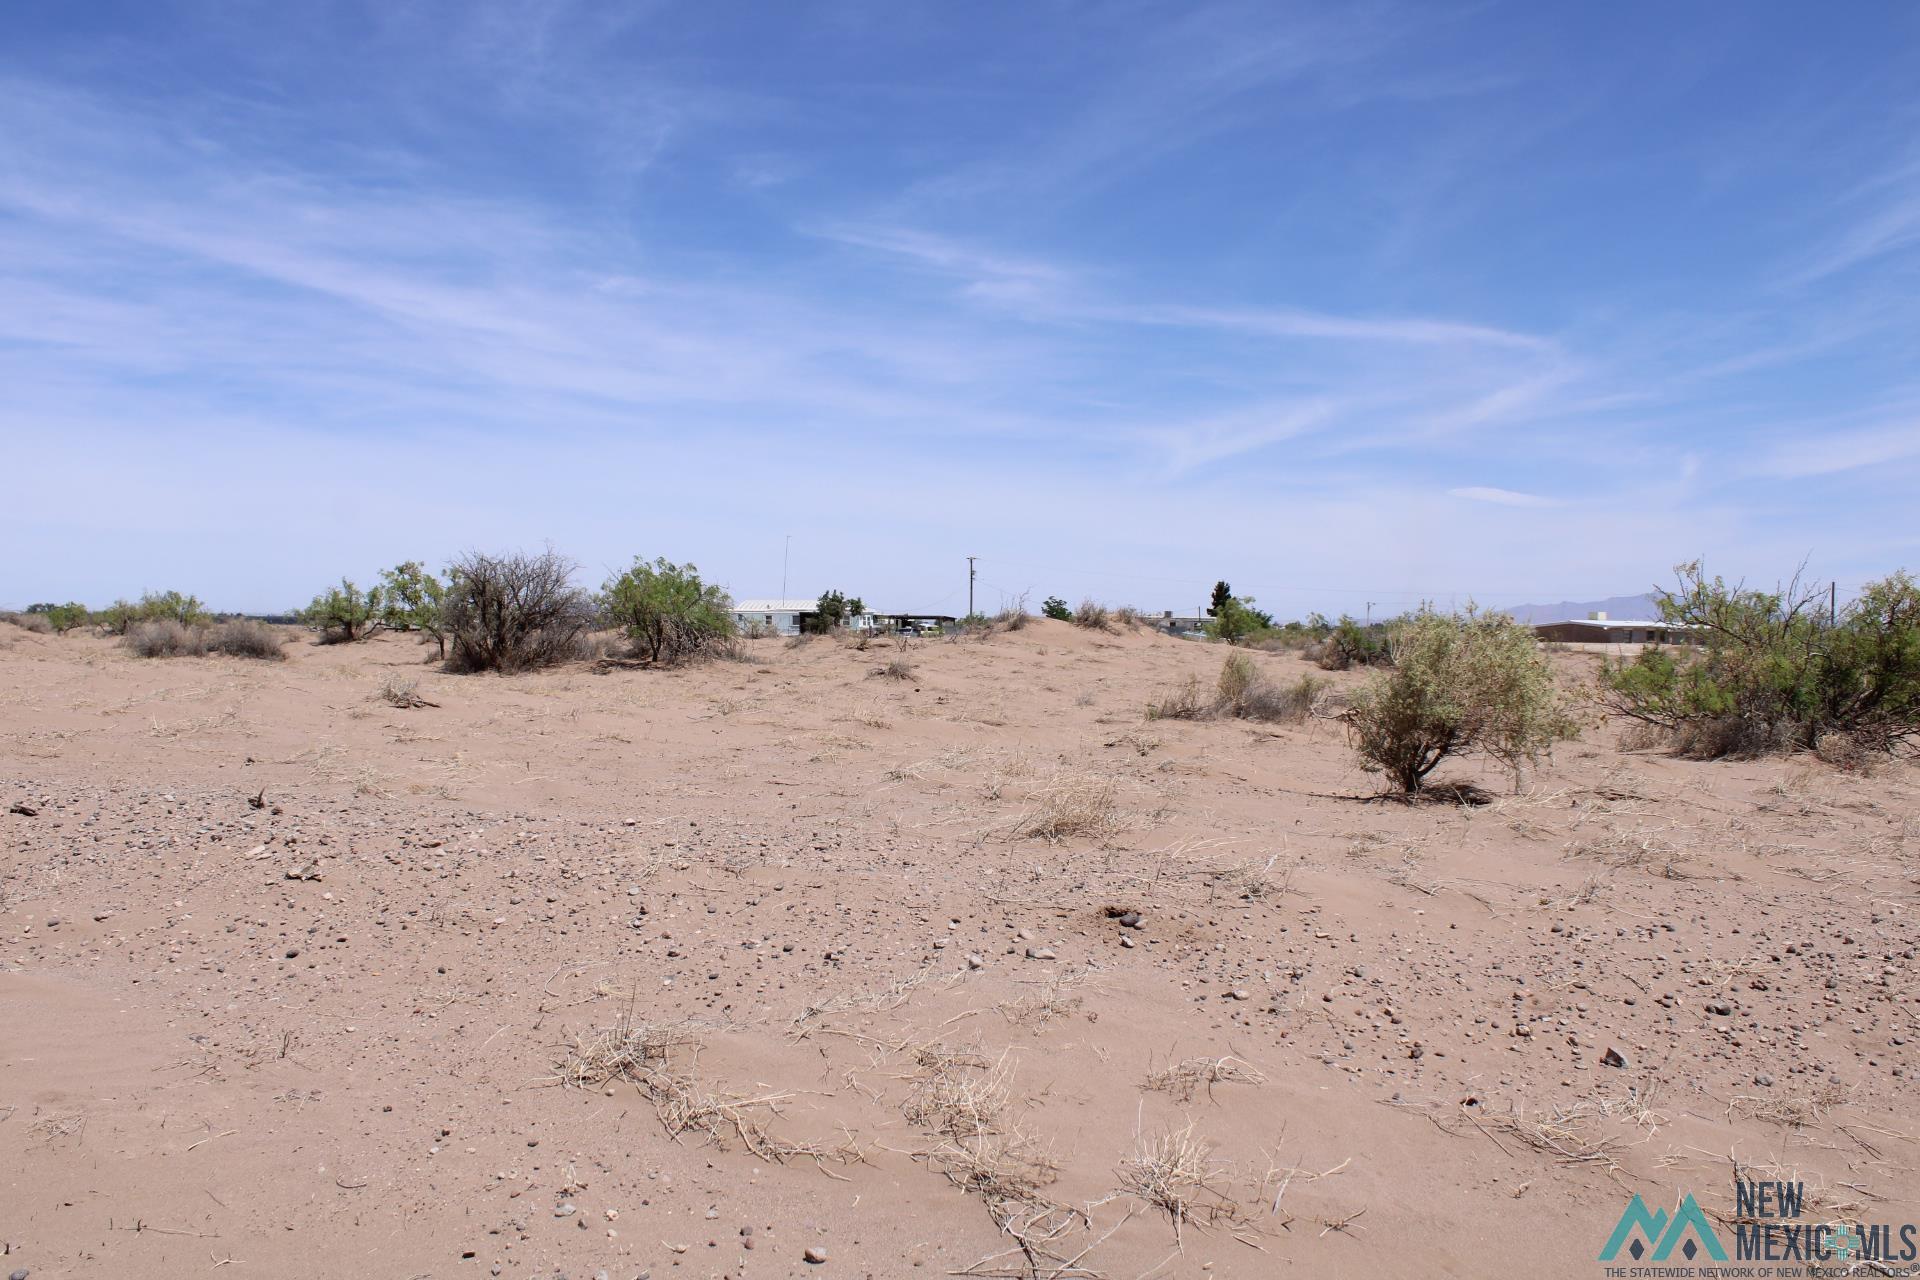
(1056, 608)
(831, 611)
(1236, 621)
(154, 606)
(1460, 683)
(1769, 672)
(65, 617)
(513, 612)
(413, 599)
(344, 613)
(669, 613)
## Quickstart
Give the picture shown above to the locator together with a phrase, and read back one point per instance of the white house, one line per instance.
(786, 617)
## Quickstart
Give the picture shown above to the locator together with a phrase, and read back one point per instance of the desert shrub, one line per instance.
(1056, 608)
(1237, 675)
(165, 638)
(245, 638)
(898, 669)
(1769, 673)
(1092, 616)
(1460, 683)
(65, 617)
(29, 621)
(1013, 617)
(1126, 615)
(1349, 643)
(1286, 703)
(513, 612)
(1187, 702)
(155, 606)
(412, 598)
(669, 614)
(344, 613)
(1236, 621)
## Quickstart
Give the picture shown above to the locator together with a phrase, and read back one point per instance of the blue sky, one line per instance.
(1339, 302)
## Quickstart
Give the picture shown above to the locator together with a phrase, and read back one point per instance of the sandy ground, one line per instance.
(864, 1012)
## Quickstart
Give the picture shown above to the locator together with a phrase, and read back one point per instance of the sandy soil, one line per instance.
(363, 1028)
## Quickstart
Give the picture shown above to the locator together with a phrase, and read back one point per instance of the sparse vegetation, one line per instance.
(1349, 643)
(1460, 683)
(668, 613)
(1093, 616)
(344, 613)
(514, 612)
(1769, 673)
(1242, 691)
(237, 638)
(412, 598)
(1056, 608)
(155, 606)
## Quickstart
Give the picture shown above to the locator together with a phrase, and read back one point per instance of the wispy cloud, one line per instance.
(1502, 497)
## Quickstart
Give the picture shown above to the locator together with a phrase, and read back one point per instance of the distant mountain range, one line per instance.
(1636, 607)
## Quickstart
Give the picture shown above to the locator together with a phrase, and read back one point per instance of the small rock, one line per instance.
(976, 961)
(1612, 1058)
(815, 1254)
(1041, 953)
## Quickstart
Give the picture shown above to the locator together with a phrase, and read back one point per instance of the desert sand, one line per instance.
(608, 971)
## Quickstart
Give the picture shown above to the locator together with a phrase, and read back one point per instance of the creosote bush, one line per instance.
(670, 615)
(1769, 672)
(514, 612)
(1056, 608)
(154, 606)
(1460, 683)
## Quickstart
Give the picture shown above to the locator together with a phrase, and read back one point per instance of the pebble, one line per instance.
(1041, 953)
(815, 1254)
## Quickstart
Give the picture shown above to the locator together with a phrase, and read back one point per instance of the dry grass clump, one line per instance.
(1242, 692)
(662, 1062)
(1186, 702)
(898, 669)
(1253, 880)
(402, 691)
(1013, 617)
(1184, 1079)
(165, 638)
(1176, 1173)
(1623, 847)
(1127, 616)
(1071, 803)
(238, 638)
(1093, 616)
(37, 623)
(962, 1098)
(245, 638)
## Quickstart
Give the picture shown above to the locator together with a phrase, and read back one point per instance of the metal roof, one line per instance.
(775, 606)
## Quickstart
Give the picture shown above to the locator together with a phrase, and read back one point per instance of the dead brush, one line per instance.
(1565, 1133)
(957, 1094)
(1070, 803)
(898, 669)
(662, 1060)
(1182, 1080)
(1795, 1111)
(1049, 1000)
(1625, 847)
(1253, 881)
(402, 691)
(1176, 1173)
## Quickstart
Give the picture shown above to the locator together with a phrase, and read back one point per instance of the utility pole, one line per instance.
(1369, 613)
(970, 577)
(1833, 604)
(785, 554)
